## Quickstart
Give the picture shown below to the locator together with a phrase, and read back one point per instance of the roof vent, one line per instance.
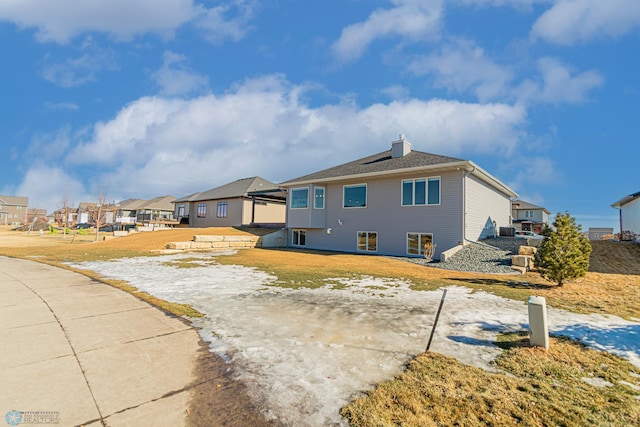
(400, 148)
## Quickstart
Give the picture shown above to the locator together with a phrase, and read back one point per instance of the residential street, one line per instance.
(80, 352)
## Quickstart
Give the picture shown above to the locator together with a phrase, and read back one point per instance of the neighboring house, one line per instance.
(138, 212)
(528, 217)
(36, 215)
(13, 210)
(87, 213)
(247, 201)
(65, 216)
(629, 207)
(396, 202)
(84, 212)
(599, 233)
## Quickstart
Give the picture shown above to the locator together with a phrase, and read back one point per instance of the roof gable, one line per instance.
(627, 199)
(379, 163)
(235, 189)
(14, 201)
(522, 205)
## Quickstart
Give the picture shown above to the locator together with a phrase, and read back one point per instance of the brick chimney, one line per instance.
(400, 148)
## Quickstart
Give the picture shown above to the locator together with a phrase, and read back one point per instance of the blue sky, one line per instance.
(146, 98)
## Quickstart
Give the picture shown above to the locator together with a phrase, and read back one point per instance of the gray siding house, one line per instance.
(396, 202)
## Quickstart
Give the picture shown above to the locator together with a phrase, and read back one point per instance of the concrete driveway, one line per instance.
(79, 352)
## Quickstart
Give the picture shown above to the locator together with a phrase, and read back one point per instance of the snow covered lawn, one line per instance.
(305, 353)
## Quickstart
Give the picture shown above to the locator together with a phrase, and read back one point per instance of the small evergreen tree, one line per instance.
(564, 253)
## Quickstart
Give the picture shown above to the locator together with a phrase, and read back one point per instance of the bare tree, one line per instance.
(101, 213)
(66, 210)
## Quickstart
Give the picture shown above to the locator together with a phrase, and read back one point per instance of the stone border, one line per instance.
(217, 243)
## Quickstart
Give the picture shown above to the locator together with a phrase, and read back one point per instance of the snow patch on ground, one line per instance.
(305, 353)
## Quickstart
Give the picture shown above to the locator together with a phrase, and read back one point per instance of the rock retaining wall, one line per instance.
(217, 243)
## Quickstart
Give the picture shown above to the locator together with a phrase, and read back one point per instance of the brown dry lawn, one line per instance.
(612, 287)
(535, 388)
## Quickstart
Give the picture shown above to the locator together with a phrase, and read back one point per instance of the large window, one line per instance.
(355, 196)
(299, 238)
(318, 198)
(299, 198)
(433, 191)
(202, 210)
(180, 210)
(367, 241)
(222, 209)
(419, 243)
(421, 191)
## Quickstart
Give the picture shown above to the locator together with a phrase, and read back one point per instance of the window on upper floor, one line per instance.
(202, 210)
(318, 198)
(421, 191)
(299, 198)
(354, 196)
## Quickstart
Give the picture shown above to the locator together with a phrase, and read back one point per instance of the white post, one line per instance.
(538, 322)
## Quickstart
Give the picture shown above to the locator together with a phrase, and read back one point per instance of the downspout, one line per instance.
(465, 172)
(253, 210)
(620, 216)
(464, 207)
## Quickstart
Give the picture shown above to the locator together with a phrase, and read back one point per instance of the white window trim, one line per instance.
(366, 196)
(420, 251)
(324, 195)
(426, 191)
(291, 200)
(367, 250)
(198, 205)
(439, 178)
(293, 243)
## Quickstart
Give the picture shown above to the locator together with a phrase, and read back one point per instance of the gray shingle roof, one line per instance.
(239, 188)
(522, 205)
(377, 163)
(14, 201)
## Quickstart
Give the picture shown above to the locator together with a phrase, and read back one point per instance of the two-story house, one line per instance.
(13, 210)
(529, 217)
(397, 202)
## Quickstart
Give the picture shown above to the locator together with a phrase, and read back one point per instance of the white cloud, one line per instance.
(46, 187)
(465, 67)
(573, 21)
(532, 173)
(61, 20)
(217, 27)
(78, 71)
(57, 106)
(263, 127)
(411, 20)
(558, 84)
(175, 78)
(517, 4)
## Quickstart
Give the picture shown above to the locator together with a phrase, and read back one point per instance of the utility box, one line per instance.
(538, 322)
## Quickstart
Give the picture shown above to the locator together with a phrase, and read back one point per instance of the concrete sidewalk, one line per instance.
(78, 352)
